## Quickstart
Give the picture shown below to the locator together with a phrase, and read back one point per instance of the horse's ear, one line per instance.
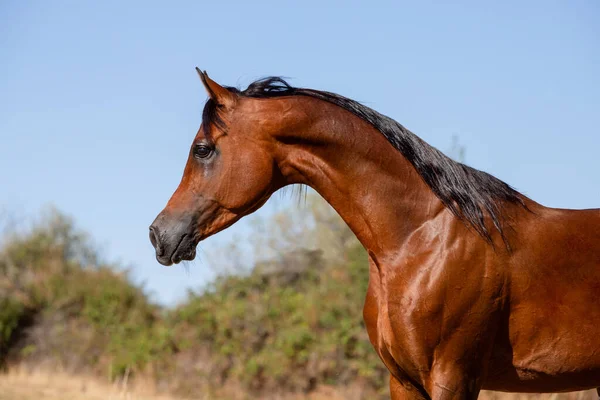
(218, 93)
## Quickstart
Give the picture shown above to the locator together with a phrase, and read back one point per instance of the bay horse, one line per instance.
(472, 285)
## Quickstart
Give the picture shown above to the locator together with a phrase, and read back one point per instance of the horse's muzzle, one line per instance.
(173, 239)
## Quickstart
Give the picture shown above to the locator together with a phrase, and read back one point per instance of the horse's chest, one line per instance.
(400, 339)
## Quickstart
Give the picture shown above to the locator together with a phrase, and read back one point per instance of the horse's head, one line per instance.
(230, 172)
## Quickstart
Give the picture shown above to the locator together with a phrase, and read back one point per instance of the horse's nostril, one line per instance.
(155, 242)
(152, 236)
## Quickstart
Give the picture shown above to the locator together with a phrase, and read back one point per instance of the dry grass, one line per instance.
(20, 384)
(586, 395)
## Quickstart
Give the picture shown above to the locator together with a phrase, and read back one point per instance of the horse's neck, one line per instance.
(367, 181)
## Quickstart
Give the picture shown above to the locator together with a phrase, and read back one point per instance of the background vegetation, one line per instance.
(288, 323)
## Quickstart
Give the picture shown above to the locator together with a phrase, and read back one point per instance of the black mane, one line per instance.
(468, 193)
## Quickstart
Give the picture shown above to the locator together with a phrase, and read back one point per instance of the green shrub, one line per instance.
(85, 304)
(11, 313)
(286, 325)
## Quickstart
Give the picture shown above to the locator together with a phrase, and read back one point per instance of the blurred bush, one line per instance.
(61, 305)
(279, 329)
(289, 323)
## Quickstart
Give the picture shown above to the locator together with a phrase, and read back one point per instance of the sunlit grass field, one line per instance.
(19, 384)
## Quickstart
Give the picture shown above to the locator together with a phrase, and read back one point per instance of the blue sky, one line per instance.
(99, 101)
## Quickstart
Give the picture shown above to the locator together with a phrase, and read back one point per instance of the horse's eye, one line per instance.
(202, 151)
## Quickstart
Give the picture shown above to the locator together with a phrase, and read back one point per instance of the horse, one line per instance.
(472, 285)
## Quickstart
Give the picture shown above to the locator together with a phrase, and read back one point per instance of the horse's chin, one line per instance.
(184, 251)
